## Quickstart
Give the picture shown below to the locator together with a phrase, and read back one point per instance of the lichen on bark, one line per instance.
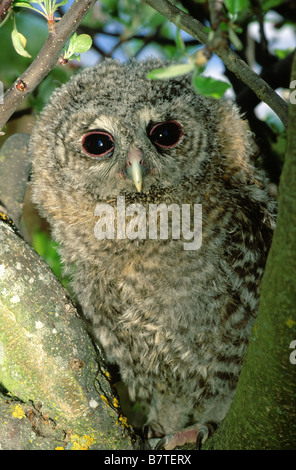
(48, 363)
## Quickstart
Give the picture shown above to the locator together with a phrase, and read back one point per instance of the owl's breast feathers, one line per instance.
(153, 303)
(174, 313)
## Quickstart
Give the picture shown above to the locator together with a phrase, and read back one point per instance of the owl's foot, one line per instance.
(197, 434)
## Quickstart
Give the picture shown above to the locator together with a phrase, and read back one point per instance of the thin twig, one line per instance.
(157, 37)
(45, 61)
(230, 58)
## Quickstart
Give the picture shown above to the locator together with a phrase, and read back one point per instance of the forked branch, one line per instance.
(45, 61)
(231, 60)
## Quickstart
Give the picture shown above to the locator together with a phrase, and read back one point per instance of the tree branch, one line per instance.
(4, 8)
(53, 379)
(155, 37)
(217, 16)
(231, 60)
(45, 60)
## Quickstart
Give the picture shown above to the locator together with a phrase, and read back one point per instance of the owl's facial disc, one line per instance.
(135, 167)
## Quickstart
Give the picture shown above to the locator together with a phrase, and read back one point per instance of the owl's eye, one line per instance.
(98, 144)
(166, 134)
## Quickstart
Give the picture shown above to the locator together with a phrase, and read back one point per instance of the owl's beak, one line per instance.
(135, 169)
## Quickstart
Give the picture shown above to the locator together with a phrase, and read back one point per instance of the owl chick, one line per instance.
(176, 319)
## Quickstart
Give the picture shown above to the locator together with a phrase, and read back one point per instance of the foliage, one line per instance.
(131, 28)
(47, 249)
(47, 9)
(77, 45)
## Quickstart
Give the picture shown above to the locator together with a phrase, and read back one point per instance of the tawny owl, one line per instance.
(165, 224)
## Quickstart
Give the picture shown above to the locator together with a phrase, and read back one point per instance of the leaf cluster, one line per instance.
(124, 29)
(47, 9)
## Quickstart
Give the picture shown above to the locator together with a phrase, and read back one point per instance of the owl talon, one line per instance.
(161, 445)
(194, 435)
(202, 435)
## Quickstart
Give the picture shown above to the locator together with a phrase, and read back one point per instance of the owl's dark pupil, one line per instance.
(166, 134)
(98, 144)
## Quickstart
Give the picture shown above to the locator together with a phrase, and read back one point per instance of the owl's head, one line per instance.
(111, 129)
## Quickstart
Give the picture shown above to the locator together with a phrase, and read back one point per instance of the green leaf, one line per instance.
(47, 249)
(155, 19)
(209, 86)
(75, 57)
(77, 45)
(179, 41)
(19, 42)
(269, 4)
(61, 4)
(81, 43)
(235, 6)
(223, 26)
(25, 4)
(171, 71)
(283, 53)
(235, 39)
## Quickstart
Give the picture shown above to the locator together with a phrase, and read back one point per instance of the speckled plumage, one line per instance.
(176, 322)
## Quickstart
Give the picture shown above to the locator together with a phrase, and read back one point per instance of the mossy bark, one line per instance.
(53, 394)
(263, 413)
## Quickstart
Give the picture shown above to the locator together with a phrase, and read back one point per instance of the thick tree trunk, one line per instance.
(263, 413)
(52, 392)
